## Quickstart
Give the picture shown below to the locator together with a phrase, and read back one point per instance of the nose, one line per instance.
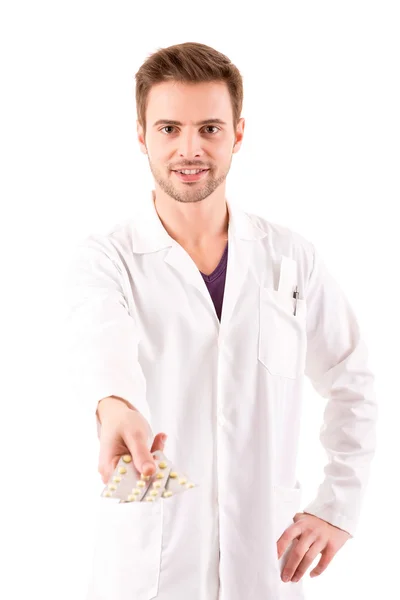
(189, 144)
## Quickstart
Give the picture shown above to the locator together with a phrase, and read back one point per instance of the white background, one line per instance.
(320, 155)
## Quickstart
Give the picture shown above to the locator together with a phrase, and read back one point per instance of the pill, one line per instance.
(129, 485)
(178, 484)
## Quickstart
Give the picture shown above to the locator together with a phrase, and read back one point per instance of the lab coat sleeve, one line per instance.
(336, 364)
(101, 335)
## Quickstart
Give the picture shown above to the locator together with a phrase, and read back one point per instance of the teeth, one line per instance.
(192, 172)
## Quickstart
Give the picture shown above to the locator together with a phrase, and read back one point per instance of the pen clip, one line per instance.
(295, 296)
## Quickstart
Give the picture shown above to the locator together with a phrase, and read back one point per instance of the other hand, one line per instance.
(313, 536)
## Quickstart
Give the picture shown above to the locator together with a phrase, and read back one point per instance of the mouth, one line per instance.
(194, 177)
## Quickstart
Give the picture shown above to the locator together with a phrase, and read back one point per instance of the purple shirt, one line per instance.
(215, 282)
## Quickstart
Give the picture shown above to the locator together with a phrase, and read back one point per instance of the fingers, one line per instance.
(107, 460)
(142, 457)
(106, 468)
(159, 442)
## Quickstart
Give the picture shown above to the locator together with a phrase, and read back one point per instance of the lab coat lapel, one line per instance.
(238, 265)
(180, 260)
(240, 251)
(152, 236)
(243, 256)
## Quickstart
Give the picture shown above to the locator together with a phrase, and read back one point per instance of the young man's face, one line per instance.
(189, 145)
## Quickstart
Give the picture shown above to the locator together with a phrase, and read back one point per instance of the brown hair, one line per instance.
(189, 62)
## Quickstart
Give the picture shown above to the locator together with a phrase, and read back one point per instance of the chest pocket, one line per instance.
(282, 335)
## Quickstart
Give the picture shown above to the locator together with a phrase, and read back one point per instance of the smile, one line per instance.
(193, 176)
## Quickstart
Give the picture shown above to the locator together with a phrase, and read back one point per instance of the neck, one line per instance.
(193, 224)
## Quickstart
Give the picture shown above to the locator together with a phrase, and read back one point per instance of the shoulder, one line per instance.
(113, 241)
(282, 237)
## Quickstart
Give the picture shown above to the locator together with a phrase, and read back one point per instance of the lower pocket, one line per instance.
(127, 551)
(286, 504)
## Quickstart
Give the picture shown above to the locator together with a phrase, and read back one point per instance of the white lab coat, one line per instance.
(142, 326)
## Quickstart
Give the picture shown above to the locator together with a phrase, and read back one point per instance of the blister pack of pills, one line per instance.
(128, 485)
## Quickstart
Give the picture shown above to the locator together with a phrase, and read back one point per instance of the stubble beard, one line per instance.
(192, 193)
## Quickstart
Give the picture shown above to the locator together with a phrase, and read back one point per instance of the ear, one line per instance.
(141, 137)
(239, 135)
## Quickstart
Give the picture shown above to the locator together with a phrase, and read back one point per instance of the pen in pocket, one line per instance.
(295, 296)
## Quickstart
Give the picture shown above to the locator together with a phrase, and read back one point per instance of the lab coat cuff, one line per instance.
(332, 516)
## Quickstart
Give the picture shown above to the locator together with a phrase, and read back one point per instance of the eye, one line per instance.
(207, 127)
(212, 127)
(167, 127)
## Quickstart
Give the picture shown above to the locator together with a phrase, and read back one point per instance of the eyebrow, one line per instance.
(205, 122)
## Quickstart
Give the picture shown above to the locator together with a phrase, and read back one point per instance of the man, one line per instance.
(198, 320)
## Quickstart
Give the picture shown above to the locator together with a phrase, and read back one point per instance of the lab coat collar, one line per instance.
(151, 236)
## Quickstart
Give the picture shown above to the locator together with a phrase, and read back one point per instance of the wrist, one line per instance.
(112, 403)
